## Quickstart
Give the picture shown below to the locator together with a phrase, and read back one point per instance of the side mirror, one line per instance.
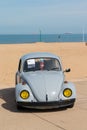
(67, 70)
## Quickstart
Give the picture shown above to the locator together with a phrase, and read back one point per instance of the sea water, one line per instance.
(28, 38)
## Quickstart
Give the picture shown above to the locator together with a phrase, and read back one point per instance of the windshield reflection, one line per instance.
(41, 63)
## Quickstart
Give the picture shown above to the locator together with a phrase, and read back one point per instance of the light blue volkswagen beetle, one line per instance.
(40, 83)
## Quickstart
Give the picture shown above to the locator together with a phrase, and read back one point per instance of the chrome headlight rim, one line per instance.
(67, 92)
(24, 94)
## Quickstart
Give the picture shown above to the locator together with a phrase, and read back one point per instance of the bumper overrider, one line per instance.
(44, 105)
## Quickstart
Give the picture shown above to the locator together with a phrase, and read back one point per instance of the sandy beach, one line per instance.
(74, 56)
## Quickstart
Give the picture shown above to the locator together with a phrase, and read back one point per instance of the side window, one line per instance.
(20, 66)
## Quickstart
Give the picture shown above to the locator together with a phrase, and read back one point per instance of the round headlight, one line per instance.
(24, 94)
(67, 92)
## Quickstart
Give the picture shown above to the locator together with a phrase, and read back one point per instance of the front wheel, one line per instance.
(71, 106)
(19, 107)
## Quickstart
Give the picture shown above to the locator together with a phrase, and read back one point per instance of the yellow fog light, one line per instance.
(24, 94)
(67, 92)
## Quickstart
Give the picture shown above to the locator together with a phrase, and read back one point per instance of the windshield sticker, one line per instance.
(31, 63)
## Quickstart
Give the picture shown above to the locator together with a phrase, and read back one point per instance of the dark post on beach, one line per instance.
(40, 35)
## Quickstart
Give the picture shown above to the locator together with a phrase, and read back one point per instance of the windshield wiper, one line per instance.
(55, 68)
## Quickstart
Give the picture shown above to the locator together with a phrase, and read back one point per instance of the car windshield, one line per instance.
(41, 63)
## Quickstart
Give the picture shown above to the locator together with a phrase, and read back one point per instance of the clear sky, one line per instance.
(49, 16)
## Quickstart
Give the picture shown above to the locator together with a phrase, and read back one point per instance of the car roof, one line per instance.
(38, 54)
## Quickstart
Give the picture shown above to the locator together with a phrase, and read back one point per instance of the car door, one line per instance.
(17, 78)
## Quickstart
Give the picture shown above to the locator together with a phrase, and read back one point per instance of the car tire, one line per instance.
(71, 106)
(19, 107)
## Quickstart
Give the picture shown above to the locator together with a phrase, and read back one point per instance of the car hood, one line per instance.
(45, 85)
